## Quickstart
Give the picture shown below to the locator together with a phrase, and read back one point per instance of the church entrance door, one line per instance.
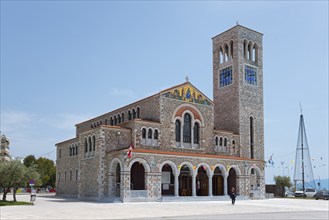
(185, 181)
(202, 182)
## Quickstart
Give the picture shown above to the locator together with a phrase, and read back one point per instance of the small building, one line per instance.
(177, 142)
(4, 149)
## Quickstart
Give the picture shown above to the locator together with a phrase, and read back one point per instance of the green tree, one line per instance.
(47, 171)
(282, 182)
(29, 173)
(14, 174)
(29, 160)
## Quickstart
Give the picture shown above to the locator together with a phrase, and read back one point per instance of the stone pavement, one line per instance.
(52, 207)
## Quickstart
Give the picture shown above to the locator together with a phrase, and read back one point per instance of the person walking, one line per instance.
(233, 195)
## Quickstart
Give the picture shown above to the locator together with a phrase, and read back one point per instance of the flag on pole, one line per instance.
(130, 151)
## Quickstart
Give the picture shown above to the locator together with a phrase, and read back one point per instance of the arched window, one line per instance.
(137, 112)
(90, 144)
(134, 114)
(70, 151)
(187, 128)
(225, 142)
(60, 153)
(156, 134)
(115, 120)
(255, 53)
(196, 133)
(59, 176)
(231, 50)
(111, 121)
(249, 51)
(226, 53)
(245, 49)
(129, 115)
(86, 145)
(65, 175)
(70, 174)
(94, 143)
(251, 138)
(119, 119)
(105, 121)
(149, 134)
(216, 141)
(123, 117)
(221, 55)
(220, 141)
(76, 174)
(144, 133)
(77, 150)
(177, 130)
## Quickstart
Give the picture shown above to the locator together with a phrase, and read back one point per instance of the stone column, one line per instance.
(176, 185)
(181, 134)
(225, 184)
(194, 185)
(210, 185)
(125, 186)
(192, 135)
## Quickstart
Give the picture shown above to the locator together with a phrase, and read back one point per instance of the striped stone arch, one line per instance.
(142, 161)
(236, 168)
(189, 166)
(113, 162)
(172, 165)
(208, 170)
(221, 167)
(191, 109)
(257, 169)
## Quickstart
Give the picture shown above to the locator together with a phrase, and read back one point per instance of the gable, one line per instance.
(188, 93)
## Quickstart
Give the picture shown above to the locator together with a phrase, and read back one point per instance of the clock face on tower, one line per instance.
(225, 76)
(250, 75)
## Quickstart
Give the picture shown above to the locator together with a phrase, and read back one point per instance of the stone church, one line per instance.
(178, 143)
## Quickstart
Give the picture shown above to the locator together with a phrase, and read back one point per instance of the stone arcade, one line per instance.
(185, 145)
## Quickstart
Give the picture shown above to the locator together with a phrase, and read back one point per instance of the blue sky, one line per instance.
(65, 62)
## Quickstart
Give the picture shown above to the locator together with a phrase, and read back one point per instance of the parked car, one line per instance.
(309, 192)
(324, 194)
(289, 193)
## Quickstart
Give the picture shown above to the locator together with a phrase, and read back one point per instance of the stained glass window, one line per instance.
(225, 76)
(187, 128)
(250, 75)
(177, 125)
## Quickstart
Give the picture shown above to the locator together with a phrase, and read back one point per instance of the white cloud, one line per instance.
(66, 121)
(15, 120)
(122, 92)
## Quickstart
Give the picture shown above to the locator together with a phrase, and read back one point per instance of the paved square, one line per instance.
(52, 207)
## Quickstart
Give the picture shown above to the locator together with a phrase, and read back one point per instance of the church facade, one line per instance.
(178, 142)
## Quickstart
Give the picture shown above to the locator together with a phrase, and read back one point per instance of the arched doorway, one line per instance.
(255, 181)
(137, 177)
(231, 180)
(185, 181)
(117, 180)
(218, 182)
(167, 180)
(202, 182)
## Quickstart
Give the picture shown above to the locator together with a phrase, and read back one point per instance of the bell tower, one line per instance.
(238, 87)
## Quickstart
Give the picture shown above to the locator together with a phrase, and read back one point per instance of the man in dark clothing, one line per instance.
(233, 195)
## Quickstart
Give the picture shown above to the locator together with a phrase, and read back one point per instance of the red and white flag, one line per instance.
(130, 150)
